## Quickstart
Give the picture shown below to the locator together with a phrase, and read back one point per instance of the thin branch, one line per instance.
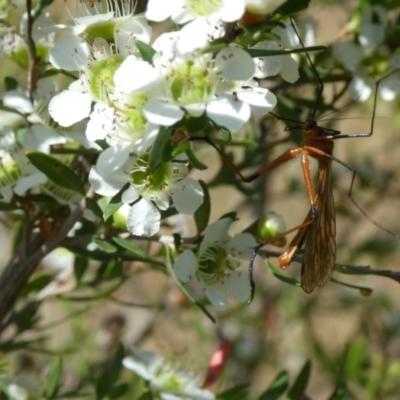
(21, 266)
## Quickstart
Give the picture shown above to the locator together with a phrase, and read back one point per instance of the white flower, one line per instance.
(165, 380)
(285, 65)
(17, 174)
(216, 264)
(183, 11)
(371, 40)
(202, 18)
(13, 46)
(263, 7)
(372, 27)
(119, 165)
(72, 52)
(17, 392)
(221, 88)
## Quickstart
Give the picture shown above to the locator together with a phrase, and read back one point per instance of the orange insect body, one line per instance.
(319, 226)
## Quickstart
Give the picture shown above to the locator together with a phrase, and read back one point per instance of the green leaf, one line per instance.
(42, 198)
(41, 6)
(8, 206)
(56, 171)
(281, 276)
(225, 133)
(108, 378)
(299, 386)
(146, 396)
(202, 214)
(214, 47)
(111, 270)
(195, 125)
(114, 204)
(93, 206)
(105, 246)
(170, 265)
(128, 245)
(339, 392)
(51, 382)
(100, 294)
(156, 151)
(118, 390)
(365, 291)
(348, 358)
(4, 390)
(266, 53)
(194, 161)
(81, 264)
(277, 387)
(293, 6)
(353, 359)
(238, 392)
(36, 282)
(146, 51)
(27, 317)
(11, 84)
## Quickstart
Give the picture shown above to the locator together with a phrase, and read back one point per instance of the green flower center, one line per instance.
(133, 121)
(213, 262)
(191, 84)
(148, 183)
(101, 78)
(104, 29)
(205, 7)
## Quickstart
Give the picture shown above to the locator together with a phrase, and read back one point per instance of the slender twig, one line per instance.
(31, 81)
(21, 267)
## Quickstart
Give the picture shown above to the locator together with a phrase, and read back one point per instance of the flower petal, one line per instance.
(186, 266)
(187, 195)
(138, 367)
(215, 232)
(162, 113)
(29, 181)
(261, 100)
(217, 297)
(106, 186)
(143, 79)
(237, 284)
(229, 112)
(18, 100)
(143, 219)
(70, 53)
(194, 35)
(235, 64)
(69, 107)
(130, 195)
(241, 246)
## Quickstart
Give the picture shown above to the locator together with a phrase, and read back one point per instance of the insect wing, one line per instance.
(320, 248)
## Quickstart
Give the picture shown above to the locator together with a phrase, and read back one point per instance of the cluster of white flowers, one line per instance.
(165, 380)
(373, 41)
(126, 93)
(129, 91)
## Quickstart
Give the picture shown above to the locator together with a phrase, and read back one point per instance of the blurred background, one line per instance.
(344, 333)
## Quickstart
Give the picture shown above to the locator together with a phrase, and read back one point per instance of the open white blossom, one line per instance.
(197, 84)
(216, 265)
(165, 380)
(149, 191)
